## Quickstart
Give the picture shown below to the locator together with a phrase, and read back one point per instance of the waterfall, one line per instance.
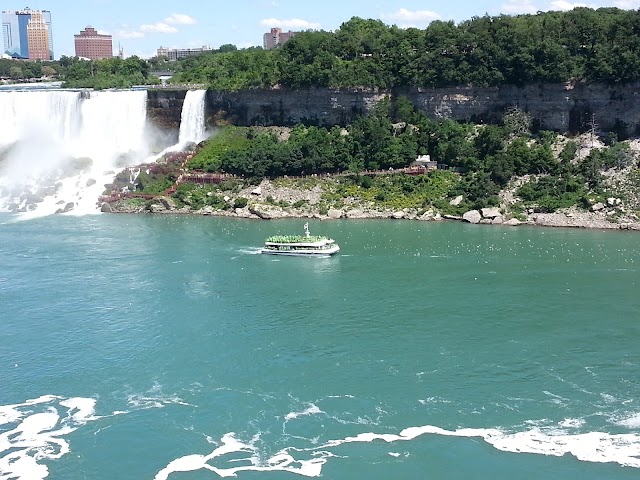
(192, 118)
(59, 148)
(57, 112)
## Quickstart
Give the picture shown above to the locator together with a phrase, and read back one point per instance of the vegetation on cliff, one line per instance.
(583, 44)
(477, 163)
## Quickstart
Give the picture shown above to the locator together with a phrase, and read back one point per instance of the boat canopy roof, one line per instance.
(296, 239)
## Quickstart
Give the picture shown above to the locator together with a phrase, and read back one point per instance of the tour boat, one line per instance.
(306, 245)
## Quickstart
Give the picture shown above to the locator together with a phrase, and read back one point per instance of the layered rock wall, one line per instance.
(164, 108)
(561, 107)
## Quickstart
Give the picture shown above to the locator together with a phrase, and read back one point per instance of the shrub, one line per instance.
(240, 202)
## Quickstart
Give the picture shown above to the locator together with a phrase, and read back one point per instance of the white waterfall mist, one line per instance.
(59, 148)
(192, 120)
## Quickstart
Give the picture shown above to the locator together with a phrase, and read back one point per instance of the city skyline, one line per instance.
(142, 27)
(27, 34)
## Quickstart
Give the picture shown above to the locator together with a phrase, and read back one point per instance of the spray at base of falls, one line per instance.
(60, 148)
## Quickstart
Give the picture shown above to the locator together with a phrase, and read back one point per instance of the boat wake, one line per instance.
(250, 251)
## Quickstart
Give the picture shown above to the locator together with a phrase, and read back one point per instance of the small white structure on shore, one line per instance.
(424, 161)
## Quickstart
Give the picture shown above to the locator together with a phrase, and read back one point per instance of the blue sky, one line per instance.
(141, 26)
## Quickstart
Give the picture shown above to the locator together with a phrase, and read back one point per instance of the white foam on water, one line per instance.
(596, 447)
(37, 434)
(81, 410)
(154, 398)
(281, 461)
(312, 409)
(572, 423)
(632, 421)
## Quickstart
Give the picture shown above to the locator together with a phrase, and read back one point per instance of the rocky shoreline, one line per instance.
(270, 202)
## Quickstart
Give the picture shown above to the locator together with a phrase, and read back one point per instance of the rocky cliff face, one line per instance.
(560, 107)
(164, 108)
(565, 108)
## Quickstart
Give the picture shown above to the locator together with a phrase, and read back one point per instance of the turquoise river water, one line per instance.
(159, 347)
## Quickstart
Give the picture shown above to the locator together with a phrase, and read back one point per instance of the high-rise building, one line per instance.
(25, 32)
(38, 38)
(91, 44)
(276, 37)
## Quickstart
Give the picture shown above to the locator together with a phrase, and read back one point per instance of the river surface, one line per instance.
(160, 347)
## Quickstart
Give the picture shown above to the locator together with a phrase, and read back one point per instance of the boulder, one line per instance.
(168, 203)
(157, 208)
(512, 222)
(334, 213)
(490, 212)
(428, 215)
(67, 208)
(91, 182)
(472, 216)
(485, 221)
(597, 207)
(499, 220)
(456, 201)
(261, 211)
(257, 190)
(106, 208)
(267, 212)
(399, 215)
(613, 202)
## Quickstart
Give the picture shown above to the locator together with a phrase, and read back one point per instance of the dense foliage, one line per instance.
(20, 70)
(106, 73)
(99, 74)
(485, 158)
(583, 44)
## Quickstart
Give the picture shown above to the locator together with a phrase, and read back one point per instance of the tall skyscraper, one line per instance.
(25, 33)
(38, 38)
(91, 44)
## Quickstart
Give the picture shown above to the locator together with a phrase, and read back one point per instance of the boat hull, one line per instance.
(301, 253)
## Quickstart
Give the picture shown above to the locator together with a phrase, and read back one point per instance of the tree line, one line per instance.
(601, 45)
(76, 73)
(583, 44)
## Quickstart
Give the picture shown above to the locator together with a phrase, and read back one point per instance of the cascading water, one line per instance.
(192, 122)
(192, 119)
(59, 148)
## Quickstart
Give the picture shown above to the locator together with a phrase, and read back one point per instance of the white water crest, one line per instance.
(58, 149)
(34, 431)
(192, 118)
(597, 447)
